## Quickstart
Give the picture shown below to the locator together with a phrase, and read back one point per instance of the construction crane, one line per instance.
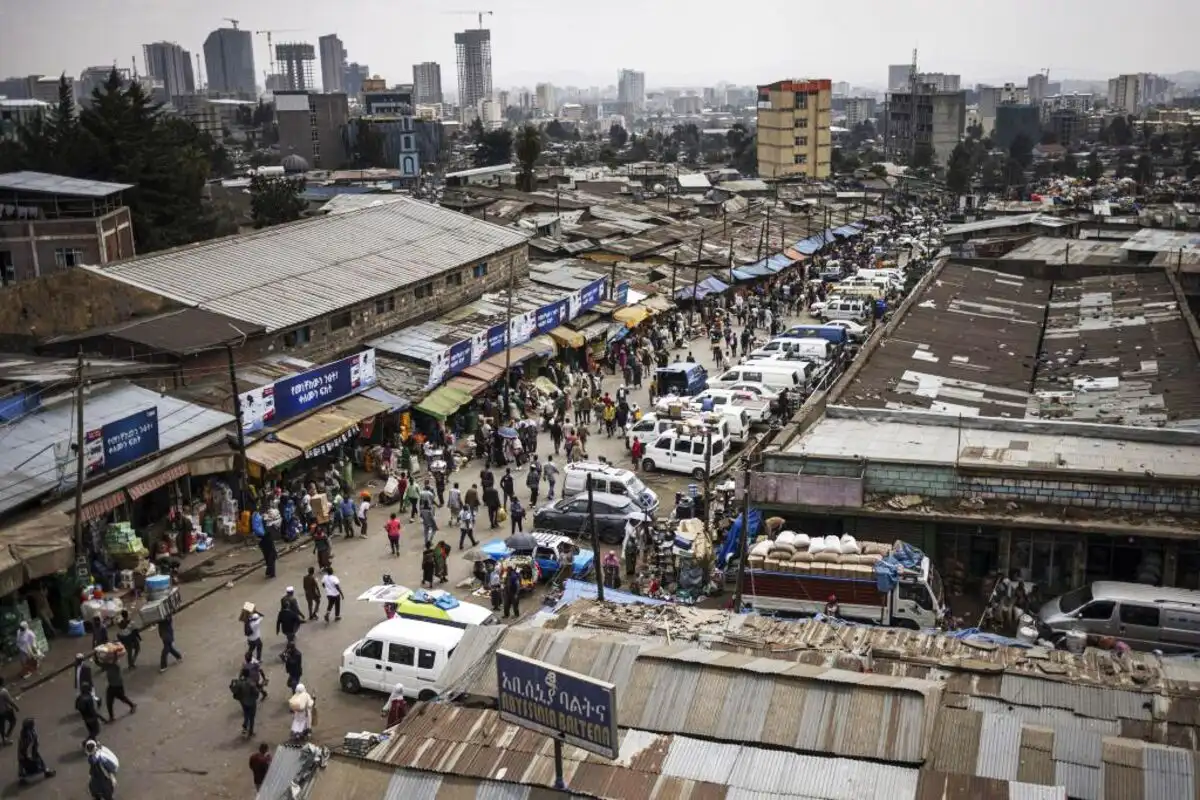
(232, 20)
(477, 14)
(270, 47)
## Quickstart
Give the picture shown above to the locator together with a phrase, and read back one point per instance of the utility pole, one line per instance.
(708, 531)
(80, 549)
(595, 541)
(696, 278)
(731, 278)
(674, 269)
(243, 475)
(743, 538)
(512, 283)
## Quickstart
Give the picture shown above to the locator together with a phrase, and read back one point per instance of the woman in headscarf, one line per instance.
(301, 705)
(396, 707)
(29, 756)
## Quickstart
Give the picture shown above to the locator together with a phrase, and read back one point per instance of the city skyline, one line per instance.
(40, 44)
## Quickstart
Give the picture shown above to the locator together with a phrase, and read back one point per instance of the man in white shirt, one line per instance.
(27, 646)
(360, 513)
(253, 631)
(333, 594)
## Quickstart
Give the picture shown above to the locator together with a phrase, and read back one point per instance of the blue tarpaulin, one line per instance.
(887, 571)
(779, 262)
(846, 231)
(730, 544)
(704, 288)
(808, 246)
(586, 590)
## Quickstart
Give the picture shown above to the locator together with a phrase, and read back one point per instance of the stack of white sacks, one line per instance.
(821, 555)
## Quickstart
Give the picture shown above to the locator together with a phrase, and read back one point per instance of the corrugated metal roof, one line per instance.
(58, 184)
(1169, 773)
(285, 765)
(999, 747)
(35, 458)
(1079, 781)
(284, 276)
(412, 785)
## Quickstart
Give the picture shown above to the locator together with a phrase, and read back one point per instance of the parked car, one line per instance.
(570, 516)
(759, 390)
(546, 554)
(856, 330)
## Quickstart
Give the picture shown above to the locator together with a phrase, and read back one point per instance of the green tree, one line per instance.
(368, 149)
(617, 136)
(960, 169)
(878, 170)
(556, 130)
(1070, 167)
(639, 149)
(494, 148)
(975, 132)
(528, 148)
(1120, 132)
(1094, 168)
(275, 199)
(922, 156)
(1021, 148)
(475, 130)
(990, 177)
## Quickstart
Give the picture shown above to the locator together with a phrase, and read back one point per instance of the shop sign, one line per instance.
(299, 394)
(582, 711)
(622, 293)
(551, 316)
(122, 441)
(521, 328)
(460, 357)
(479, 347)
(592, 293)
(496, 337)
(331, 445)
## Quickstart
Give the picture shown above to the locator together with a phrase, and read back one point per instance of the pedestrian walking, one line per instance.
(260, 765)
(429, 524)
(556, 434)
(247, 694)
(348, 516)
(495, 588)
(392, 527)
(131, 639)
(102, 770)
(466, 526)
(516, 513)
(635, 450)
(166, 632)
(491, 499)
(88, 706)
(512, 592)
(454, 501)
(471, 499)
(252, 630)
(364, 505)
(506, 486)
(412, 497)
(428, 565)
(115, 689)
(289, 619)
(302, 706)
(8, 714)
(550, 473)
(27, 647)
(323, 547)
(312, 593)
(29, 755)
(293, 664)
(333, 595)
(533, 480)
(253, 671)
(83, 672)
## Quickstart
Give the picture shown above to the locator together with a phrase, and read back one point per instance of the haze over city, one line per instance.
(673, 43)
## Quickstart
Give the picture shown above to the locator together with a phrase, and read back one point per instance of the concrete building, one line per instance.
(859, 110)
(1038, 88)
(631, 89)
(941, 81)
(1014, 120)
(899, 76)
(18, 88)
(1082, 103)
(1131, 94)
(295, 61)
(201, 112)
(91, 79)
(427, 83)
(992, 97)
(546, 98)
(353, 78)
(171, 64)
(333, 63)
(18, 112)
(688, 104)
(50, 223)
(45, 87)
(229, 62)
(310, 126)
(793, 129)
(389, 102)
(473, 49)
(1067, 125)
(933, 118)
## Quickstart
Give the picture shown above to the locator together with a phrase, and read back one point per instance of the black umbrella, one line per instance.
(520, 541)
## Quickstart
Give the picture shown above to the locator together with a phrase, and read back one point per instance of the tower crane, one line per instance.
(478, 14)
(233, 21)
(270, 47)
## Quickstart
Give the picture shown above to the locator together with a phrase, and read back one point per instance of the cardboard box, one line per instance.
(321, 508)
(247, 610)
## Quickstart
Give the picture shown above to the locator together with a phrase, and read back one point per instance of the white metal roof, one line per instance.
(34, 450)
(697, 180)
(58, 184)
(284, 276)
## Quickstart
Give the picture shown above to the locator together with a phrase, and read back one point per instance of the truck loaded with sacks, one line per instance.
(882, 584)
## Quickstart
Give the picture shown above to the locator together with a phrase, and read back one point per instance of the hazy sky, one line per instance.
(673, 41)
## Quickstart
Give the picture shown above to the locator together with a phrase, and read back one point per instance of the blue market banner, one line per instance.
(121, 442)
(291, 397)
(593, 293)
(558, 703)
(551, 316)
(460, 357)
(623, 293)
(497, 336)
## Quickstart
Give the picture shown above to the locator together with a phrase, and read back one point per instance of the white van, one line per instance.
(851, 308)
(684, 450)
(610, 479)
(400, 650)
(812, 348)
(655, 423)
(790, 376)
(726, 401)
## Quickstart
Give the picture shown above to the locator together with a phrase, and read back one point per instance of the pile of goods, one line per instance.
(95, 605)
(162, 599)
(798, 552)
(123, 545)
(109, 653)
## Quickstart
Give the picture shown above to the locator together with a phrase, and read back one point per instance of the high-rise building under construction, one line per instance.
(474, 50)
(294, 62)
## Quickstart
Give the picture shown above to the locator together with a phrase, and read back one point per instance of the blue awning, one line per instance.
(779, 262)
(758, 269)
(393, 401)
(846, 231)
(709, 285)
(808, 246)
(742, 275)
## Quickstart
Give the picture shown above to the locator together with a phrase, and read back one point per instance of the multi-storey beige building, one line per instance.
(793, 128)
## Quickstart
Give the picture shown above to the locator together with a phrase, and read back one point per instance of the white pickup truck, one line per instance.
(758, 409)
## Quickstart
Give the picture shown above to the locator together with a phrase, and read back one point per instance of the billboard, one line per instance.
(622, 297)
(582, 711)
(122, 441)
(551, 316)
(290, 397)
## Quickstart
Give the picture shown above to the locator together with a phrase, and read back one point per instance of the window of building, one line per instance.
(801, 141)
(801, 100)
(454, 279)
(424, 291)
(300, 336)
(68, 256)
(314, 135)
(800, 159)
(8, 270)
(385, 304)
(339, 321)
(480, 270)
(801, 122)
